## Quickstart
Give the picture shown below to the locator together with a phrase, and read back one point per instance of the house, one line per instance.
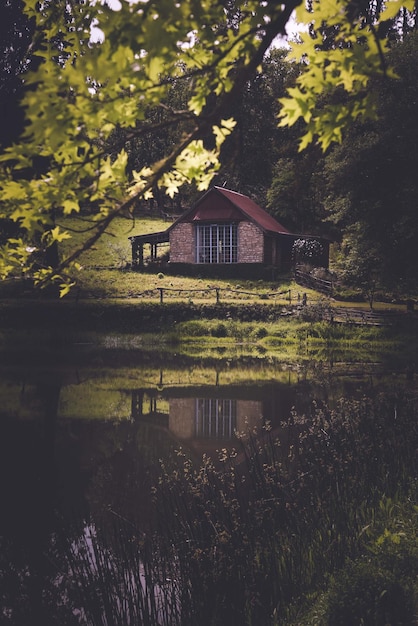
(225, 228)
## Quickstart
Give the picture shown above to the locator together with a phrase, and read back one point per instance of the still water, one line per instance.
(82, 433)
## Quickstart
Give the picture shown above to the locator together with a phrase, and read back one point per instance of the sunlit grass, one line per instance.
(113, 249)
(114, 282)
(102, 274)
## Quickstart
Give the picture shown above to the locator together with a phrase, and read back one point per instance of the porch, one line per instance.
(153, 240)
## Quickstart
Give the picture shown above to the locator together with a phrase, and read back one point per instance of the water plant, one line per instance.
(282, 514)
(256, 535)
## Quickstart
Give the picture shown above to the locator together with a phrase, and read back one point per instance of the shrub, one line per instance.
(363, 593)
(348, 295)
(317, 312)
(245, 539)
(193, 328)
(260, 332)
(220, 330)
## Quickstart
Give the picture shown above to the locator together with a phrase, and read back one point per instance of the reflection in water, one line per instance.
(85, 443)
(192, 416)
(114, 590)
(215, 418)
(204, 419)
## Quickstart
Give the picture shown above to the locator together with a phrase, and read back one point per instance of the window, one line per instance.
(216, 243)
(215, 418)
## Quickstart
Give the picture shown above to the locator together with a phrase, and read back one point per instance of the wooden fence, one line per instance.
(162, 293)
(293, 303)
(362, 316)
(307, 280)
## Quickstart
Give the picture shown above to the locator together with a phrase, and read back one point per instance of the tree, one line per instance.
(293, 196)
(83, 90)
(335, 88)
(15, 37)
(248, 155)
(360, 261)
(145, 149)
(370, 183)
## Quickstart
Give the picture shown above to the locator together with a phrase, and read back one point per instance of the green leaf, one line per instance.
(65, 288)
(392, 8)
(56, 234)
(70, 206)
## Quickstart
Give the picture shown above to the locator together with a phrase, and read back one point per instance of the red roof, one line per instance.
(231, 205)
(254, 212)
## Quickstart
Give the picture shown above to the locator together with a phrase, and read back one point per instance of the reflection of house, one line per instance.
(223, 228)
(213, 418)
(212, 412)
(204, 417)
(216, 418)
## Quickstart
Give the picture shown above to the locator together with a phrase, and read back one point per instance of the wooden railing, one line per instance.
(307, 280)
(362, 316)
(292, 303)
(165, 292)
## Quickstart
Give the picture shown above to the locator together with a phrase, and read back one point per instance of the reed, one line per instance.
(249, 537)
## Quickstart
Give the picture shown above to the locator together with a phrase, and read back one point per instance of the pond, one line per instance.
(83, 432)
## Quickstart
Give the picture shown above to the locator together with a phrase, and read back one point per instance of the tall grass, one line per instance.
(249, 537)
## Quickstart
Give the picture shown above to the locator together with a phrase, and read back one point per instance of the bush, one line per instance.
(260, 332)
(365, 594)
(317, 312)
(220, 330)
(348, 295)
(193, 328)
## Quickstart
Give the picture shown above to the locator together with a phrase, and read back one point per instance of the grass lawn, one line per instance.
(103, 274)
(113, 249)
(251, 316)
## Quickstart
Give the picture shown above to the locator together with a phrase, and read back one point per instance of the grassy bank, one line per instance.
(106, 269)
(198, 332)
(106, 274)
(257, 318)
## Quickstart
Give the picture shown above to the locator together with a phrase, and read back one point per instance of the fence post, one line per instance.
(217, 296)
(290, 297)
(161, 289)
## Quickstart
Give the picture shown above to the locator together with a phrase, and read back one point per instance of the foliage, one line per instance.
(344, 67)
(364, 592)
(380, 586)
(76, 102)
(292, 196)
(370, 186)
(322, 511)
(359, 262)
(290, 512)
(247, 158)
(91, 95)
(305, 250)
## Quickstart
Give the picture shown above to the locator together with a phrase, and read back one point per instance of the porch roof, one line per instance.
(162, 236)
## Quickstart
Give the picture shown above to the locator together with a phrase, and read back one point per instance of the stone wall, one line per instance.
(182, 244)
(250, 243)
